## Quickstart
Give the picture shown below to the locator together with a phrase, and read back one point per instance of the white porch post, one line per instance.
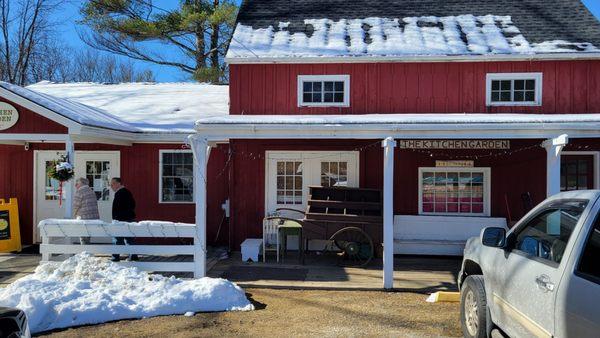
(69, 186)
(554, 147)
(201, 151)
(388, 212)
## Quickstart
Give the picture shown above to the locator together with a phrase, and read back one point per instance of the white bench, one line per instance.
(438, 235)
(251, 247)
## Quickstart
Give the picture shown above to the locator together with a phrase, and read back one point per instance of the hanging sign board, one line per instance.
(455, 164)
(454, 144)
(10, 237)
(8, 116)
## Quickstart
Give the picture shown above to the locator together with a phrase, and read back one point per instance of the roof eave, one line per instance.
(417, 58)
(541, 130)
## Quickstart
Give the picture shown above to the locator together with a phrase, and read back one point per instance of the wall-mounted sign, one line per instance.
(455, 164)
(8, 116)
(454, 144)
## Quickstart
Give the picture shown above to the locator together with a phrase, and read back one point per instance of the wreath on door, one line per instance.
(62, 171)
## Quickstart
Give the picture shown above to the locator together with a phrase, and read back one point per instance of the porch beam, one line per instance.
(69, 185)
(554, 148)
(388, 212)
(201, 150)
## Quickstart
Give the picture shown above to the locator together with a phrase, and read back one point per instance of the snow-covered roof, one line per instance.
(145, 107)
(377, 28)
(73, 110)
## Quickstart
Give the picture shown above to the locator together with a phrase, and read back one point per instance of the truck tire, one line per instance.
(473, 308)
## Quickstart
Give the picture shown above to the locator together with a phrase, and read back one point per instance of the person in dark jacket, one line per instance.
(123, 209)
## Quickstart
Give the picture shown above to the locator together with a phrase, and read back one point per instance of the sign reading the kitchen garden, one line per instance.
(454, 144)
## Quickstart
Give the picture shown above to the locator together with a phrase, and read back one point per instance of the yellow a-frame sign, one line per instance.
(10, 236)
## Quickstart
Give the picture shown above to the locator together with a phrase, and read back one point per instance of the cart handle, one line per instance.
(290, 209)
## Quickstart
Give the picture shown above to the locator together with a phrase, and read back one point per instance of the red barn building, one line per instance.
(483, 108)
(134, 131)
(465, 113)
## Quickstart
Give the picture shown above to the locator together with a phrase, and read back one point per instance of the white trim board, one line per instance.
(226, 131)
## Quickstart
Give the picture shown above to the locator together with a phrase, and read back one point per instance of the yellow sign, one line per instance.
(454, 144)
(8, 116)
(455, 164)
(10, 236)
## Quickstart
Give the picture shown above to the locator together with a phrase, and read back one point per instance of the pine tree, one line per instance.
(199, 29)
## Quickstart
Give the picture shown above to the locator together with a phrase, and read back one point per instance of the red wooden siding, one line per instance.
(568, 87)
(139, 171)
(511, 175)
(32, 123)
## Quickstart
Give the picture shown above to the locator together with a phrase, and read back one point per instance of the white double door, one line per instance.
(97, 166)
(290, 173)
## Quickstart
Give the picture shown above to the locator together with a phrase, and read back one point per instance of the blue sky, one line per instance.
(68, 30)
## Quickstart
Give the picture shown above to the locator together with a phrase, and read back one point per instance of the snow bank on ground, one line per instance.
(88, 290)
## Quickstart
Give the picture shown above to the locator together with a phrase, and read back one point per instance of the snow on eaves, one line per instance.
(397, 119)
(73, 110)
(411, 36)
(146, 107)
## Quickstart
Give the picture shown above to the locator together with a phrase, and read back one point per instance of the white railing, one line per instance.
(56, 235)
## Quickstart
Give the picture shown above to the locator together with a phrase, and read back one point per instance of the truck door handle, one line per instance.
(543, 282)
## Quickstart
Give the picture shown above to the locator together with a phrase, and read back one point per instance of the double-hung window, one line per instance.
(176, 181)
(454, 191)
(324, 90)
(514, 89)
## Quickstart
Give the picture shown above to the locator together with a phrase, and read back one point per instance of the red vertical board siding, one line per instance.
(568, 87)
(32, 123)
(139, 171)
(512, 174)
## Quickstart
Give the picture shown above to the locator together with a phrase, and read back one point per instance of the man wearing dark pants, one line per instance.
(123, 209)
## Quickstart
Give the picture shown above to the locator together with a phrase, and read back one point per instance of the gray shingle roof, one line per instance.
(538, 21)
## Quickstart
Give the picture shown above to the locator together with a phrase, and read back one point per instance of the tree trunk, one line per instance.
(214, 41)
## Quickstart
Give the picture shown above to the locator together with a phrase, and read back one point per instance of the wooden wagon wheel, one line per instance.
(356, 247)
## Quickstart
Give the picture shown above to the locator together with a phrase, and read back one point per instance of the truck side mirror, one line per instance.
(493, 237)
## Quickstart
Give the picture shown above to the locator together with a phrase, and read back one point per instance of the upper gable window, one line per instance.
(514, 89)
(324, 90)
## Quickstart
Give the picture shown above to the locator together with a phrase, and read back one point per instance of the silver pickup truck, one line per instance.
(542, 278)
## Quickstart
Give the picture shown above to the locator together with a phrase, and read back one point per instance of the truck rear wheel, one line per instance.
(473, 307)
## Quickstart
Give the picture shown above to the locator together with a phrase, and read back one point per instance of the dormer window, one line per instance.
(514, 89)
(323, 90)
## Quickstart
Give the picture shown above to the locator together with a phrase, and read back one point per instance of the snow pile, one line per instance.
(426, 35)
(88, 290)
(147, 107)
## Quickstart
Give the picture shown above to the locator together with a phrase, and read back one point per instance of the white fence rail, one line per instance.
(56, 235)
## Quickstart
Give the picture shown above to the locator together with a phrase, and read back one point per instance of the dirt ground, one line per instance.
(284, 313)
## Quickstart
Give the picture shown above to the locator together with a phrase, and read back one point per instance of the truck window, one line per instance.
(588, 266)
(546, 235)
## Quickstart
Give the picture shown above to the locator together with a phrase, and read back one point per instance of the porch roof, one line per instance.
(416, 126)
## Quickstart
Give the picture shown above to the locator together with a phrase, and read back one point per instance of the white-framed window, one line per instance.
(176, 176)
(514, 89)
(323, 90)
(454, 191)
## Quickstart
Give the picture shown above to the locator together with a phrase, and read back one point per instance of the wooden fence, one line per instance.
(56, 235)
